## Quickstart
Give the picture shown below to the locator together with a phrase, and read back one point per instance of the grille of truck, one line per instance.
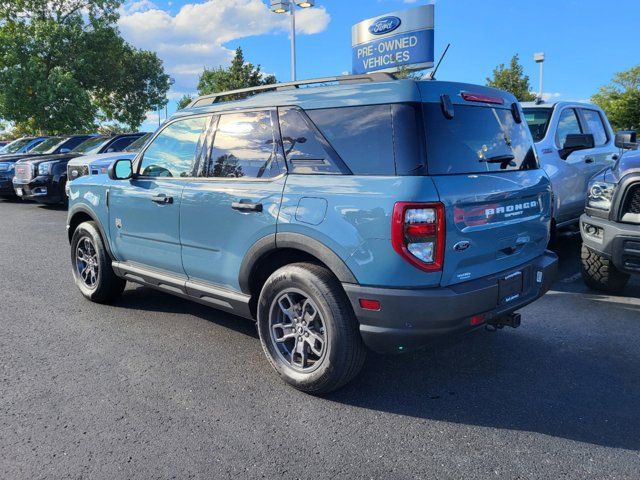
(24, 171)
(632, 200)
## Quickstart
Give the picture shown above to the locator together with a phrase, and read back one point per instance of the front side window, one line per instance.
(172, 153)
(568, 124)
(244, 146)
(120, 144)
(595, 126)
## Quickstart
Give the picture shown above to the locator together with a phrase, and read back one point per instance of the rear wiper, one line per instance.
(501, 159)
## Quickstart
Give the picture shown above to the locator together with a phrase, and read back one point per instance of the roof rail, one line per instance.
(244, 92)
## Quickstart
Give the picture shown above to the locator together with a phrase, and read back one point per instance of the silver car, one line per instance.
(574, 142)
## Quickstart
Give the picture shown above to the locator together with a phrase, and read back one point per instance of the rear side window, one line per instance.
(568, 124)
(476, 140)
(304, 147)
(362, 136)
(244, 146)
(538, 121)
(596, 126)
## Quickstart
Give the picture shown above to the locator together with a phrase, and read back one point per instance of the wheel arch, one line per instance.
(273, 252)
(80, 214)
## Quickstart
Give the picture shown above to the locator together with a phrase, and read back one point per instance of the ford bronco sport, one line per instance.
(363, 211)
(610, 227)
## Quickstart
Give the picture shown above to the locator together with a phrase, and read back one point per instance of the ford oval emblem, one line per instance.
(384, 25)
(462, 246)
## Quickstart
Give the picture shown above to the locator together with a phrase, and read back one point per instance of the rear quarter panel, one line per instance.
(355, 222)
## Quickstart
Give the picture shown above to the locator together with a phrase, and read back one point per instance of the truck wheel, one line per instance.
(92, 266)
(599, 273)
(308, 330)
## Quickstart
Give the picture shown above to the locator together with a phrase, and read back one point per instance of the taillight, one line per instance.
(418, 234)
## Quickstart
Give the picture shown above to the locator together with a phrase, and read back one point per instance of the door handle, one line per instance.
(247, 206)
(162, 199)
(588, 160)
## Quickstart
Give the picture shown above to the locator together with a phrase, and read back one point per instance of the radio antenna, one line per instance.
(432, 75)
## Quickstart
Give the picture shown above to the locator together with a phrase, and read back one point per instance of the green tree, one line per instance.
(239, 74)
(621, 99)
(184, 101)
(63, 64)
(512, 79)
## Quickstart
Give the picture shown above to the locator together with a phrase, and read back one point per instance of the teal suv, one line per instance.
(339, 213)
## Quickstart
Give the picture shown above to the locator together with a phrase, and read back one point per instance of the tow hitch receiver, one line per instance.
(512, 320)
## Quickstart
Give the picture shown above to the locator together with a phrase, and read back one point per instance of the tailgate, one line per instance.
(494, 222)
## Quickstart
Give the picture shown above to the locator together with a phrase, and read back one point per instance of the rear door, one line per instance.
(144, 212)
(236, 198)
(497, 199)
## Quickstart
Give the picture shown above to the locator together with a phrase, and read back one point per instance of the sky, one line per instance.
(585, 41)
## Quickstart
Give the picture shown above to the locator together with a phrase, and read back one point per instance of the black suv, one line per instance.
(611, 225)
(43, 179)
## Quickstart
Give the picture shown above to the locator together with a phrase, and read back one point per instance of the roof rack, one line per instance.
(244, 92)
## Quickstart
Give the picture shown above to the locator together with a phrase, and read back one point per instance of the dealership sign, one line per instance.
(397, 40)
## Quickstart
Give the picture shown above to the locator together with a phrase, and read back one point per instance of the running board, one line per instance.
(180, 285)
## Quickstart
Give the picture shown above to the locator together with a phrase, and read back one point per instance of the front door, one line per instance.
(144, 212)
(236, 199)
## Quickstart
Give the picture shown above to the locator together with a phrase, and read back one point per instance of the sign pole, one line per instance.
(293, 43)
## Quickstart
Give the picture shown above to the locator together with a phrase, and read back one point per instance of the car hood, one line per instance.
(60, 157)
(629, 163)
(16, 157)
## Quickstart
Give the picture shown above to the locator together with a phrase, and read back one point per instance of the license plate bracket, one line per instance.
(510, 287)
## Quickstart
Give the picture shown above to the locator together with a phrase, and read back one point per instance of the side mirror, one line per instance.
(65, 150)
(575, 142)
(121, 169)
(626, 139)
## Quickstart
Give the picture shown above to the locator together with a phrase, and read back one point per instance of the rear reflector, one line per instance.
(477, 319)
(368, 304)
(479, 97)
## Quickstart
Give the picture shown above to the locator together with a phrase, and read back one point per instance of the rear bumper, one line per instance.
(409, 318)
(619, 242)
(43, 189)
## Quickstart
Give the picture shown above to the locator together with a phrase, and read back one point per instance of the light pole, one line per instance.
(289, 6)
(539, 59)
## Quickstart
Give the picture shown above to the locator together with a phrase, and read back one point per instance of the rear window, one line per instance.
(476, 140)
(374, 139)
(538, 121)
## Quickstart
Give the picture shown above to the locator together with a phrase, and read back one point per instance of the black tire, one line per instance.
(342, 350)
(599, 273)
(107, 287)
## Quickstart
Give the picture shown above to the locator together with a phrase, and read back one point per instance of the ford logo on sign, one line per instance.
(384, 25)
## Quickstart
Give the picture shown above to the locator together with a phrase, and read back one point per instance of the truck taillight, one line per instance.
(418, 234)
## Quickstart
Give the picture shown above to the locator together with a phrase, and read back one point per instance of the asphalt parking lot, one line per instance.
(158, 387)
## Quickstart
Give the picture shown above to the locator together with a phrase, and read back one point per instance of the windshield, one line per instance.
(538, 120)
(48, 146)
(476, 140)
(138, 144)
(16, 145)
(90, 146)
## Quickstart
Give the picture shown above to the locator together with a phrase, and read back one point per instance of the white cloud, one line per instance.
(196, 35)
(546, 96)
